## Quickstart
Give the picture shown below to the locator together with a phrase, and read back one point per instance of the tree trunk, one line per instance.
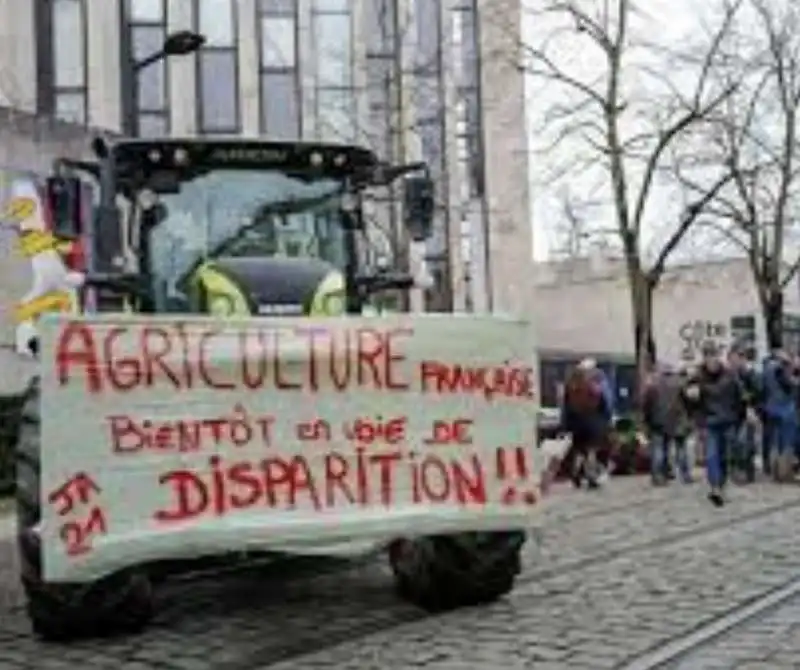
(642, 303)
(773, 316)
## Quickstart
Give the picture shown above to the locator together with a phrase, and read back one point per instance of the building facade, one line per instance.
(412, 79)
(584, 307)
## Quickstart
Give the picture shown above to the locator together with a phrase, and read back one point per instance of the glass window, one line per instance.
(379, 26)
(379, 78)
(69, 43)
(218, 91)
(147, 40)
(146, 11)
(278, 42)
(336, 115)
(279, 107)
(468, 49)
(428, 38)
(331, 5)
(153, 125)
(216, 20)
(278, 7)
(71, 107)
(332, 39)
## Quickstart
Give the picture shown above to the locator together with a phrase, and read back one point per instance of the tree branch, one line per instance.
(691, 214)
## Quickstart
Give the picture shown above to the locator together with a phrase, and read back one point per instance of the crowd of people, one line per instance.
(733, 411)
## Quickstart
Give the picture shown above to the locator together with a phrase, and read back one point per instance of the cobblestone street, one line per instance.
(612, 578)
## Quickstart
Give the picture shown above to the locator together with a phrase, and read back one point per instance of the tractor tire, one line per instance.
(441, 573)
(118, 604)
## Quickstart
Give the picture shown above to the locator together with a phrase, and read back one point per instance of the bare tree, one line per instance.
(628, 138)
(755, 135)
(575, 231)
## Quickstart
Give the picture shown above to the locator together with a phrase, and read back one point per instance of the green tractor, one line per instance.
(232, 228)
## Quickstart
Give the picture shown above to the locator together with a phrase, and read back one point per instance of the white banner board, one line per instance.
(168, 438)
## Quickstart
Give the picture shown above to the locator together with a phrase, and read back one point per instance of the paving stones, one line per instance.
(771, 641)
(616, 572)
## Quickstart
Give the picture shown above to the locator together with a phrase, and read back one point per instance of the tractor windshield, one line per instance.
(233, 212)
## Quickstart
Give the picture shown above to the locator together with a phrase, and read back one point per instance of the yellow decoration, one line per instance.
(18, 210)
(34, 242)
(55, 301)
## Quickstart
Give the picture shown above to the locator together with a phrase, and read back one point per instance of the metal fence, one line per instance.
(9, 428)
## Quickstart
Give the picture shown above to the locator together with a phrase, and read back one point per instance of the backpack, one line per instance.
(584, 395)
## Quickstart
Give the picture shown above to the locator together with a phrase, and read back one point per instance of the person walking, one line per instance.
(586, 413)
(744, 451)
(780, 414)
(721, 402)
(667, 420)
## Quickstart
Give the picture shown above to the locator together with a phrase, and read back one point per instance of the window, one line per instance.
(153, 125)
(279, 104)
(216, 21)
(278, 42)
(332, 40)
(71, 106)
(148, 40)
(336, 114)
(218, 104)
(470, 132)
(381, 65)
(147, 30)
(147, 11)
(280, 90)
(69, 85)
(380, 27)
(335, 99)
(217, 68)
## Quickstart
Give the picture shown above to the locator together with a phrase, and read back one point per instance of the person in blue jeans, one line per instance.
(745, 446)
(780, 413)
(668, 424)
(721, 405)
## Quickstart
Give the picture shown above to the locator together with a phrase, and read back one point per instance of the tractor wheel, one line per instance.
(120, 603)
(441, 573)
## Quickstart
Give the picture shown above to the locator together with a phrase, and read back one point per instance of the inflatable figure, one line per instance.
(54, 287)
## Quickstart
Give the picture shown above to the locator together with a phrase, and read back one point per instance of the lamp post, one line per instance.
(180, 43)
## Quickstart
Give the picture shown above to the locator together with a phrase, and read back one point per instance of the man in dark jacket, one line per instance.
(667, 421)
(721, 405)
(744, 453)
(780, 413)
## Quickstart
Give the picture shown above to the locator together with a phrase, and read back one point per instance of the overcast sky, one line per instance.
(666, 22)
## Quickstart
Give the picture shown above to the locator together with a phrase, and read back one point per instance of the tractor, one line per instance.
(230, 228)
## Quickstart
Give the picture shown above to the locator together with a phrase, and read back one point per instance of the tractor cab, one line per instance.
(232, 227)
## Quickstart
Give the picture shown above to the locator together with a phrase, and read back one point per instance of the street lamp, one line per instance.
(180, 43)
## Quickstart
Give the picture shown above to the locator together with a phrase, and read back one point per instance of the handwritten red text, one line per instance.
(366, 430)
(336, 480)
(129, 435)
(70, 500)
(123, 358)
(503, 381)
(450, 432)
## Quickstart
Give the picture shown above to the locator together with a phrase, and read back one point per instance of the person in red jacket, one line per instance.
(586, 416)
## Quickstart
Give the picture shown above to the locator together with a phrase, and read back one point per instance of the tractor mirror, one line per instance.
(107, 240)
(64, 202)
(418, 207)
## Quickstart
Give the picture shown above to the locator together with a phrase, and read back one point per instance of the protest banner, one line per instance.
(167, 438)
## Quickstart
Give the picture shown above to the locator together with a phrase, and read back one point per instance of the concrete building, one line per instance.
(412, 79)
(584, 306)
